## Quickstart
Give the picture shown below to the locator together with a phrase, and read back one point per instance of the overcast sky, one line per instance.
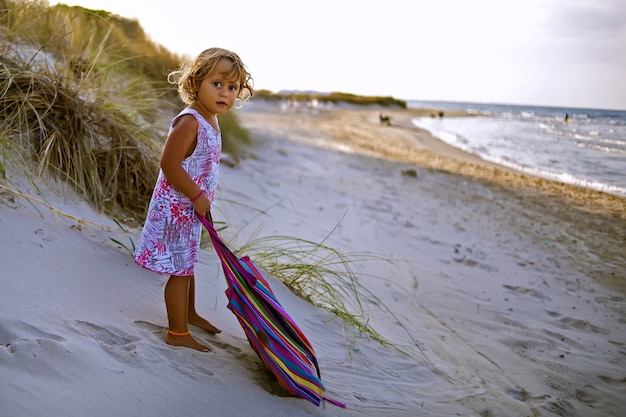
(544, 52)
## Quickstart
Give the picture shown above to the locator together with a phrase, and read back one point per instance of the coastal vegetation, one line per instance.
(85, 98)
(332, 97)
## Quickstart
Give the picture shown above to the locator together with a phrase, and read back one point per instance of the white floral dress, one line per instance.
(170, 239)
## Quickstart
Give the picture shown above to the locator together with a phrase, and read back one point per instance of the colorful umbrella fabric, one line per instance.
(272, 333)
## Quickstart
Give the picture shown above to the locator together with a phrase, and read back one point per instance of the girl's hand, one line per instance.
(202, 205)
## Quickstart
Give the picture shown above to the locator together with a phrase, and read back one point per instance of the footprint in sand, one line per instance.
(192, 366)
(527, 291)
(153, 329)
(228, 348)
(583, 325)
(158, 332)
(28, 348)
(119, 345)
(560, 339)
(136, 352)
(586, 397)
(16, 331)
(521, 394)
(247, 357)
(615, 382)
(547, 401)
(196, 369)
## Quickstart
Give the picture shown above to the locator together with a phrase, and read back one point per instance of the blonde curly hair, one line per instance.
(189, 77)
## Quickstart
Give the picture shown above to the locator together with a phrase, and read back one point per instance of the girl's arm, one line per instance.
(181, 143)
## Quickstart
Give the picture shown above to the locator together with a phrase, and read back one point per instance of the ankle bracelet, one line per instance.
(187, 333)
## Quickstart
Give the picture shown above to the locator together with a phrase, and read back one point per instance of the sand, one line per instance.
(512, 286)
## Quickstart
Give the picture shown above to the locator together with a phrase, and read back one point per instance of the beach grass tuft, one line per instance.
(96, 148)
(327, 278)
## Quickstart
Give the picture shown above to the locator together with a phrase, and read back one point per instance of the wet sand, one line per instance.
(570, 212)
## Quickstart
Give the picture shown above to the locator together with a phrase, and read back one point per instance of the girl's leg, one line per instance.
(192, 316)
(176, 299)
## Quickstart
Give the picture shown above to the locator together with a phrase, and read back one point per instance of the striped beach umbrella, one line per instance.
(271, 332)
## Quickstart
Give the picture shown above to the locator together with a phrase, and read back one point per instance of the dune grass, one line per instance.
(84, 98)
(73, 111)
(327, 278)
(96, 148)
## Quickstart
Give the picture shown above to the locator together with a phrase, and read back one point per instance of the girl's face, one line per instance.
(216, 93)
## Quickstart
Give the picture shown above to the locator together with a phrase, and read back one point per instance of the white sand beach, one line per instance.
(513, 287)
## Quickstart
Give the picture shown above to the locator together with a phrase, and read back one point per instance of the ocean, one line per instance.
(588, 149)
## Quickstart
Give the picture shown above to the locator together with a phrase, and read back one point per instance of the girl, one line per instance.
(186, 184)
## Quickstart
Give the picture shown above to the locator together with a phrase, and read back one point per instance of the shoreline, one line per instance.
(358, 131)
(581, 215)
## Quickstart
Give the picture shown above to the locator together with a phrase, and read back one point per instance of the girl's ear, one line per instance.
(195, 86)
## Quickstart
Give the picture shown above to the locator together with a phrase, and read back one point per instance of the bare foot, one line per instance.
(186, 341)
(202, 323)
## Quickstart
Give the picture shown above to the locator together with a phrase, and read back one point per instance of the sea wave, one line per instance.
(547, 154)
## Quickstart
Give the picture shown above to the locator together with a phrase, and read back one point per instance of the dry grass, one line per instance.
(327, 278)
(84, 97)
(106, 157)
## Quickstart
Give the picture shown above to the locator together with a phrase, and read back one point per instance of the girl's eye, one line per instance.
(233, 88)
(217, 84)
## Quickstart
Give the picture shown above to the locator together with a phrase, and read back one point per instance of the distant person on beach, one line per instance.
(384, 119)
(566, 117)
(186, 184)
